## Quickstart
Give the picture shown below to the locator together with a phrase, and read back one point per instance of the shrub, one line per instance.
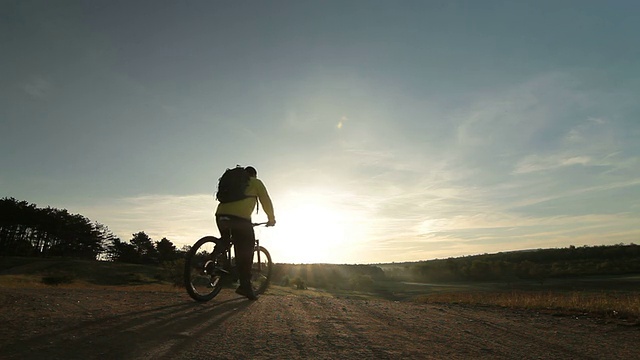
(361, 282)
(172, 271)
(299, 283)
(57, 279)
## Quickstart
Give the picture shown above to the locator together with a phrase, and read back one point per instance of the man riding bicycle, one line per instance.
(235, 218)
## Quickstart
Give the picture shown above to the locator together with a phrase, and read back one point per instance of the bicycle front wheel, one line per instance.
(203, 270)
(261, 269)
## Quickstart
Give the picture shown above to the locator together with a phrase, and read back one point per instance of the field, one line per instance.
(95, 310)
(614, 297)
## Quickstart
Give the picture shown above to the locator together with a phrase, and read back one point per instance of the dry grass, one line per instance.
(614, 304)
(19, 281)
(36, 282)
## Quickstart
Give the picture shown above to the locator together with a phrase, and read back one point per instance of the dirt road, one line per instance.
(107, 324)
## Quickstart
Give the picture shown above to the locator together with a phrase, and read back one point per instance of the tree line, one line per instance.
(141, 249)
(538, 265)
(27, 230)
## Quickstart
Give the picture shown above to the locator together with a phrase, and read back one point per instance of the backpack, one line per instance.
(232, 185)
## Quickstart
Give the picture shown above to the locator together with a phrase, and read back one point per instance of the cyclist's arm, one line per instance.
(265, 201)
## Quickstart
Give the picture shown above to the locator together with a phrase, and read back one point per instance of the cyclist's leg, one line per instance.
(244, 240)
(225, 226)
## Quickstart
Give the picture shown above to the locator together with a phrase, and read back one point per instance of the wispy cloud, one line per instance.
(37, 87)
(535, 163)
(181, 219)
(592, 142)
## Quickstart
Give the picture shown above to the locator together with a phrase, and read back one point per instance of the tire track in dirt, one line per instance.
(566, 337)
(402, 330)
(509, 337)
(474, 335)
(268, 328)
(345, 325)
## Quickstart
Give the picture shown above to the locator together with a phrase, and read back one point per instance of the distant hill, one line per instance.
(526, 264)
(509, 266)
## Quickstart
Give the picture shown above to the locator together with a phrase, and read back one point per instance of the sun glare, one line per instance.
(312, 231)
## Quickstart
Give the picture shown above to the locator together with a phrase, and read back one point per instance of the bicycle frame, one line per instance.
(228, 244)
(229, 257)
(209, 261)
(257, 246)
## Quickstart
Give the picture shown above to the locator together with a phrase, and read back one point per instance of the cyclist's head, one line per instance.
(251, 171)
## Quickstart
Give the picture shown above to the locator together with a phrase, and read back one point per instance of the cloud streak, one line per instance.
(181, 219)
(37, 87)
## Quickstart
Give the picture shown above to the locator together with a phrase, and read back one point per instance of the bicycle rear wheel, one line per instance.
(261, 269)
(203, 270)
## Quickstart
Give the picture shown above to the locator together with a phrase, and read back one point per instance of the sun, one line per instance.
(309, 232)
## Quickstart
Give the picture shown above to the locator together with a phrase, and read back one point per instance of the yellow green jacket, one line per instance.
(243, 208)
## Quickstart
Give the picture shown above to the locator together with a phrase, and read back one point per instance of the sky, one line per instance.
(385, 131)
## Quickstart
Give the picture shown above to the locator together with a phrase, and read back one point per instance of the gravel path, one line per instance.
(58, 323)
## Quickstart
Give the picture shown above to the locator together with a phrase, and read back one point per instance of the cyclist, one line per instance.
(235, 217)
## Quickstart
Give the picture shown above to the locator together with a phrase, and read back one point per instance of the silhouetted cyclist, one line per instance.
(235, 218)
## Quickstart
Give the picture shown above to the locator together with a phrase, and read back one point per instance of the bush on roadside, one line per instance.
(58, 279)
(172, 271)
(299, 283)
(361, 282)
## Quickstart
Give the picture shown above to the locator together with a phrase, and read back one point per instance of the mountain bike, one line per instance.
(206, 270)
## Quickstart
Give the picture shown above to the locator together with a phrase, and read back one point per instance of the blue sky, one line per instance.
(384, 131)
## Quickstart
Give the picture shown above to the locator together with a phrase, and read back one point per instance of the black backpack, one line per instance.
(232, 185)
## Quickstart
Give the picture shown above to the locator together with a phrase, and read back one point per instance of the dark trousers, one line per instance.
(241, 232)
